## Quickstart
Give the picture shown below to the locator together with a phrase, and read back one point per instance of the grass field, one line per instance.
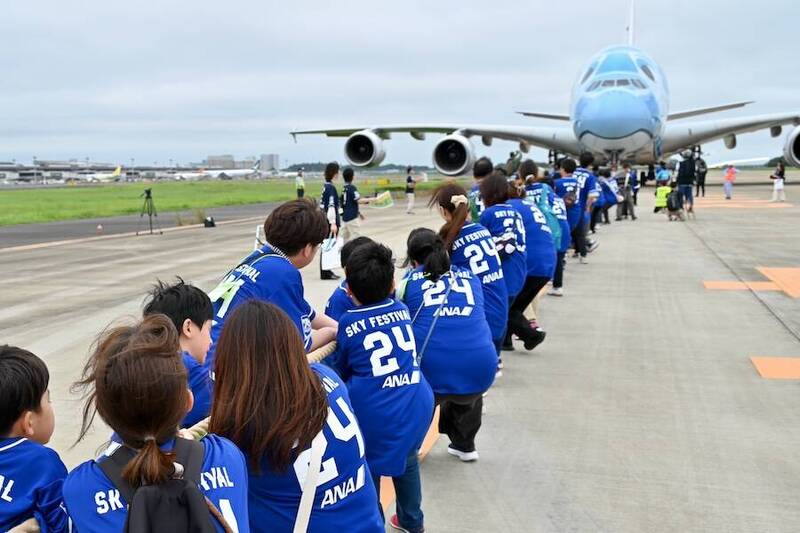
(33, 205)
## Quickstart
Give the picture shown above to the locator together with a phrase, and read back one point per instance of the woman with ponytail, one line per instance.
(136, 381)
(471, 246)
(454, 343)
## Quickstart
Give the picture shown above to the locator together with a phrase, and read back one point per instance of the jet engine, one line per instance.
(454, 155)
(791, 150)
(364, 149)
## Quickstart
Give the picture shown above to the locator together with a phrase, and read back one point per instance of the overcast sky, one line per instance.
(184, 79)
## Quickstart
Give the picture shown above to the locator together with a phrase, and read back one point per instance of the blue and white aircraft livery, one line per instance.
(619, 112)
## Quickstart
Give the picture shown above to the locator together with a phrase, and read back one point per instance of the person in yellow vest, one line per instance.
(662, 191)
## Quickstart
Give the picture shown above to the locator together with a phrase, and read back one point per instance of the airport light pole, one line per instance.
(133, 161)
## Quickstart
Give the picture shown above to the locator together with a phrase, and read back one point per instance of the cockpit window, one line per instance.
(638, 84)
(623, 83)
(647, 72)
(594, 86)
(608, 83)
(617, 62)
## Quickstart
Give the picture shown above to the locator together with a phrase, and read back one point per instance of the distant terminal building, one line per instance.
(221, 161)
(270, 162)
(247, 162)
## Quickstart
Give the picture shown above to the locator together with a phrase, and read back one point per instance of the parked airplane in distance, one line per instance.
(619, 113)
(100, 176)
(225, 173)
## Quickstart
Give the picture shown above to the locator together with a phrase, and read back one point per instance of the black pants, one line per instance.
(635, 196)
(558, 277)
(460, 418)
(701, 184)
(579, 237)
(301, 193)
(517, 323)
(597, 212)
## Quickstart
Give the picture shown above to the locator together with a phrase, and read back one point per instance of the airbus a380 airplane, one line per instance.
(619, 112)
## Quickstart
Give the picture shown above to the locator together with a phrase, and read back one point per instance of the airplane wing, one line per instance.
(680, 136)
(750, 161)
(560, 139)
(550, 116)
(706, 110)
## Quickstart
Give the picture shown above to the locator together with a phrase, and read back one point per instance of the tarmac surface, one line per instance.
(24, 234)
(641, 411)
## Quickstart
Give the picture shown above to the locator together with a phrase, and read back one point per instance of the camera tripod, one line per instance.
(148, 208)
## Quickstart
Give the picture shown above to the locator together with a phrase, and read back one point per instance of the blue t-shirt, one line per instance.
(534, 191)
(202, 388)
(31, 476)
(264, 275)
(345, 499)
(96, 505)
(329, 202)
(560, 211)
(339, 302)
(541, 254)
(350, 198)
(587, 182)
(474, 249)
(508, 231)
(460, 357)
(377, 357)
(566, 185)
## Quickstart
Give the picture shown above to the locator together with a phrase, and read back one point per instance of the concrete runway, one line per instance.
(640, 412)
(24, 234)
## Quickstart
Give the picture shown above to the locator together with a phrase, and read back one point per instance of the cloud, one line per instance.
(177, 79)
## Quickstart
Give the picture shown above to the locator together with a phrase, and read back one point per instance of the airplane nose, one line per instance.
(614, 115)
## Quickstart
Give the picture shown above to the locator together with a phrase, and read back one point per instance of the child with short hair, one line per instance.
(135, 380)
(340, 302)
(190, 310)
(31, 475)
(378, 360)
(351, 216)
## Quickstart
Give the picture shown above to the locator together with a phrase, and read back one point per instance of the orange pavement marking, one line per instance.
(788, 279)
(387, 487)
(777, 367)
(741, 286)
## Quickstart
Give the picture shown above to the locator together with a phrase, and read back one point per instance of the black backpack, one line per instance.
(674, 201)
(173, 506)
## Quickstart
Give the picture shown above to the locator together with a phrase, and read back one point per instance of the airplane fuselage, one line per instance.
(619, 106)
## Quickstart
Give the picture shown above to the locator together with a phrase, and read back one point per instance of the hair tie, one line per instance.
(149, 438)
(458, 199)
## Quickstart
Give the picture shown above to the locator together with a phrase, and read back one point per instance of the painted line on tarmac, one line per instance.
(80, 240)
(777, 367)
(741, 286)
(786, 280)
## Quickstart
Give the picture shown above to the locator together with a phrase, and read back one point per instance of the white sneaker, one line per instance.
(583, 261)
(556, 291)
(466, 457)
